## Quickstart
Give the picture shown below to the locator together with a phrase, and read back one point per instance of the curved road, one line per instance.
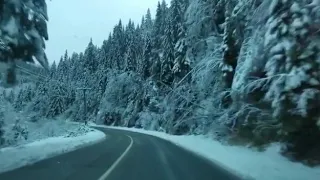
(123, 155)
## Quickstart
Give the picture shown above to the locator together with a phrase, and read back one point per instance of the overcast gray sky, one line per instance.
(73, 22)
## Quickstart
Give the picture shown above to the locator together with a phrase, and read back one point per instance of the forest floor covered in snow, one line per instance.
(249, 163)
(23, 153)
(26, 137)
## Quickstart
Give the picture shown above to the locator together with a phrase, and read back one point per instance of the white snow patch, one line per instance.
(297, 23)
(15, 157)
(295, 8)
(273, 6)
(268, 165)
(11, 27)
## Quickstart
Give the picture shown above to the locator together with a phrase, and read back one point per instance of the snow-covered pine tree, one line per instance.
(106, 50)
(23, 30)
(18, 103)
(130, 55)
(100, 58)
(143, 23)
(57, 99)
(30, 94)
(128, 33)
(66, 56)
(80, 68)
(159, 26)
(181, 65)
(165, 11)
(62, 69)
(138, 47)
(156, 35)
(293, 50)
(130, 59)
(147, 59)
(91, 62)
(53, 69)
(230, 50)
(118, 46)
(66, 67)
(168, 52)
(40, 103)
(176, 19)
(293, 66)
(75, 67)
(155, 69)
(147, 26)
(146, 33)
(24, 96)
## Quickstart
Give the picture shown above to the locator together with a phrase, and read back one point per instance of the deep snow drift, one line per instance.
(267, 165)
(18, 156)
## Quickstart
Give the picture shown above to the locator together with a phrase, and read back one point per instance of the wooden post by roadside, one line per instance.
(85, 104)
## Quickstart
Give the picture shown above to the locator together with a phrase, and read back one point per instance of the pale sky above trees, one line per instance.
(73, 22)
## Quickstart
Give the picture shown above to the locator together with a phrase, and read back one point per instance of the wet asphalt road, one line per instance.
(123, 155)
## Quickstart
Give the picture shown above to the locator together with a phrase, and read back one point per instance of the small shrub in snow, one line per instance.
(80, 130)
(15, 134)
(20, 132)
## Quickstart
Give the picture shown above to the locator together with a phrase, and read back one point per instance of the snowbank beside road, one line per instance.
(15, 157)
(267, 165)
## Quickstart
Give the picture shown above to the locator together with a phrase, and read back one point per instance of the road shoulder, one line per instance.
(16, 157)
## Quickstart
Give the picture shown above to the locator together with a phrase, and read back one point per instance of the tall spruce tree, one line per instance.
(90, 56)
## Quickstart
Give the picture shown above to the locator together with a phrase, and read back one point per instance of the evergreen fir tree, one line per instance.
(18, 103)
(138, 46)
(106, 52)
(158, 28)
(147, 59)
(168, 54)
(292, 60)
(130, 55)
(230, 51)
(57, 99)
(53, 69)
(23, 31)
(294, 69)
(118, 46)
(181, 64)
(147, 25)
(91, 62)
(66, 56)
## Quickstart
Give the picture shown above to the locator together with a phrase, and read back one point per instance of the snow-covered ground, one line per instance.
(15, 157)
(15, 89)
(267, 165)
